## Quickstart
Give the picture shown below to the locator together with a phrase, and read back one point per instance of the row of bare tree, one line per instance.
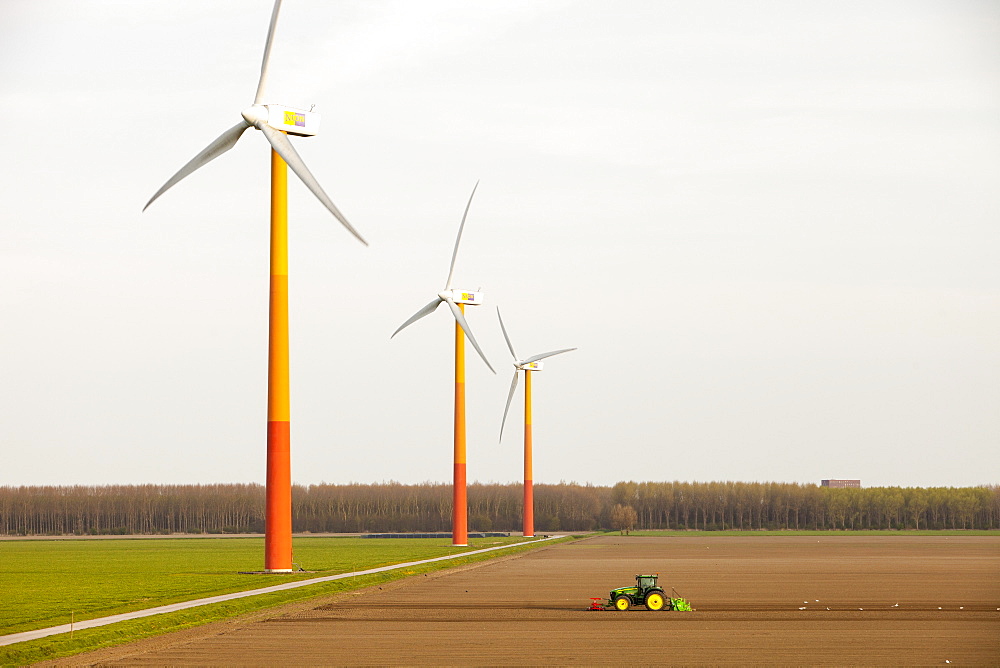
(394, 507)
(748, 506)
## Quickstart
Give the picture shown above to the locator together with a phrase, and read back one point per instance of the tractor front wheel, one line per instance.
(654, 600)
(622, 603)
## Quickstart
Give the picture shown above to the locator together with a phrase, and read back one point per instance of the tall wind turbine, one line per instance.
(275, 122)
(529, 365)
(457, 301)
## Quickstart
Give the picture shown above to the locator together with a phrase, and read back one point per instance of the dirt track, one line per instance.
(747, 593)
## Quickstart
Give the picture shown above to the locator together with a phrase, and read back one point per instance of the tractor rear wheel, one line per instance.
(654, 600)
(622, 603)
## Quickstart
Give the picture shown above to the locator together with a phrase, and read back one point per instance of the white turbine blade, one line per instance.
(225, 142)
(510, 395)
(427, 310)
(506, 338)
(457, 312)
(535, 358)
(283, 147)
(262, 82)
(458, 240)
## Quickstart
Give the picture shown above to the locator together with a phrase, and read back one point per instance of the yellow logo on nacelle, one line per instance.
(292, 118)
(468, 296)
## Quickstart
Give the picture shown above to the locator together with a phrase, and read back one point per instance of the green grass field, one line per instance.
(46, 582)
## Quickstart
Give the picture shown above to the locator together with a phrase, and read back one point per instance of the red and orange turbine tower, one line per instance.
(275, 122)
(529, 366)
(457, 301)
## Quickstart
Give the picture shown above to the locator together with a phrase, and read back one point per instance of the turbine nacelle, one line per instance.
(528, 366)
(469, 298)
(290, 120)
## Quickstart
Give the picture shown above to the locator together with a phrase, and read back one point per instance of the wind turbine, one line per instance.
(457, 301)
(527, 365)
(275, 122)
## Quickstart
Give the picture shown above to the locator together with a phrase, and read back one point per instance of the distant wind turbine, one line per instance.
(456, 301)
(527, 365)
(275, 122)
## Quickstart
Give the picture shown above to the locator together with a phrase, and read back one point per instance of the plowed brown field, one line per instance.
(877, 601)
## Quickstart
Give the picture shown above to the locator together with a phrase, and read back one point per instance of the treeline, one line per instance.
(754, 506)
(394, 507)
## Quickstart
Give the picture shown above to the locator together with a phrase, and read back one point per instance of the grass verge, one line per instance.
(45, 582)
(349, 555)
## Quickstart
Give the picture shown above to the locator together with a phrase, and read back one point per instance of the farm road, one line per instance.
(868, 600)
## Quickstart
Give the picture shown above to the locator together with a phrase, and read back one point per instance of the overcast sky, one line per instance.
(771, 228)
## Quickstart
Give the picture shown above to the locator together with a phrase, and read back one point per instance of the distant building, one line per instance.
(840, 483)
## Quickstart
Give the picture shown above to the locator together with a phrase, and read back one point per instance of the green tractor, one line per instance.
(646, 592)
